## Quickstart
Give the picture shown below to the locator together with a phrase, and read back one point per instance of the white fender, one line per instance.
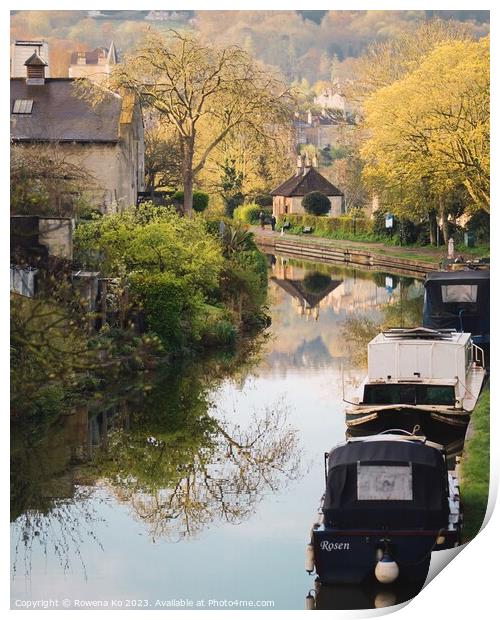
(386, 570)
(309, 558)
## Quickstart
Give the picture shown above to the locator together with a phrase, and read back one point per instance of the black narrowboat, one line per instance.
(389, 502)
(458, 300)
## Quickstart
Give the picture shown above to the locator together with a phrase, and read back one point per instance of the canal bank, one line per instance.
(377, 256)
(475, 468)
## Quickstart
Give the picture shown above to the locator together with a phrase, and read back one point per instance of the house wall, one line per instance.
(57, 235)
(96, 73)
(118, 168)
(293, 205)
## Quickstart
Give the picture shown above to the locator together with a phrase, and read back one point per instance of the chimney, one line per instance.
(307, 165)
(35, 70)
(299, 165)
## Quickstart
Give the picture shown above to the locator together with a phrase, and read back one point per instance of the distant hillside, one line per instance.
(302, 44)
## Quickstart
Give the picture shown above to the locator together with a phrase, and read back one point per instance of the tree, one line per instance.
(316, 203)
(389, 61)
(162, 156)
(429, 133)
(195, 87)
(43, 179)
(231, 181)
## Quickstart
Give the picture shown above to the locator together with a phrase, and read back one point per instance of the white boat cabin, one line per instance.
(424, 367)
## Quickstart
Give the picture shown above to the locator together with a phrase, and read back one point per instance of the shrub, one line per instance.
(217, 329)
(479, 224)
(316, 203)
(262, 200)
(171, 309)
(249, 214)
(200, 200)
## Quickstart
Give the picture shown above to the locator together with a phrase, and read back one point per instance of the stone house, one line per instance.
(107, 139)
(95, 65)
(287, 197)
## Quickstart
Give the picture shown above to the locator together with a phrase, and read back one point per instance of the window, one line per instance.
(409, 394)
(459, 293)
(22, 106)
(385, 482)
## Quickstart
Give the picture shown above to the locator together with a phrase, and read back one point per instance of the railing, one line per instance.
(478, 355)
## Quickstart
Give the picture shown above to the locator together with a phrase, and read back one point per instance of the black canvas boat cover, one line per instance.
(386, 484)
(458, 300)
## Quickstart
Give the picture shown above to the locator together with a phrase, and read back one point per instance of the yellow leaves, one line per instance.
(433, 124)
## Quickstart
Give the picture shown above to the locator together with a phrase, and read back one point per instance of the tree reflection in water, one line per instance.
(168, 453)
(214, 470)
(60, 532)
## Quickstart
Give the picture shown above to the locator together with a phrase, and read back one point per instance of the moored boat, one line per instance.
(430, 378)
(458, 300)
(389, 502)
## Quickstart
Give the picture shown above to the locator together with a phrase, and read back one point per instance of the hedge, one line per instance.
(341, 226)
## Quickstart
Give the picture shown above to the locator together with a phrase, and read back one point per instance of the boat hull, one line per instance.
(443, 428)
(349, 557)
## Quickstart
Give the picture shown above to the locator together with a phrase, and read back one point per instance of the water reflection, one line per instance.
(179, 462)
(365, 596)
(214, 453)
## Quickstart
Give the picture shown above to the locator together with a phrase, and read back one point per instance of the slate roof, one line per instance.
(59, 115)
(302, 184)
(35, 60)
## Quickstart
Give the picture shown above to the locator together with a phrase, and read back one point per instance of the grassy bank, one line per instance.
(476, 469)
(365, 234)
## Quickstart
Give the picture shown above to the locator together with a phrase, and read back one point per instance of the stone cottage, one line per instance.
(287, 198)
(107, 139)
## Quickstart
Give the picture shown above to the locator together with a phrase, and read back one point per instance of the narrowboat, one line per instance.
(389, 502)
(458, 300)
(425, 377)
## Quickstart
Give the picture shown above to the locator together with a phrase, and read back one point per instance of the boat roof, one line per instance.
(421, 334)
(386, 449)
(467, 276)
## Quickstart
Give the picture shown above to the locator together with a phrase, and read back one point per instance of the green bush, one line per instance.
(171, 309)
(200, 199)
(316, 203)
(217, 329)
(249, 213)
(263, 200)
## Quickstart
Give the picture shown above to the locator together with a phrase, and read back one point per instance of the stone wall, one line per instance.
(57, 235)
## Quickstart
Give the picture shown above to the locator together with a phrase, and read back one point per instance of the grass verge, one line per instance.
(475, 480)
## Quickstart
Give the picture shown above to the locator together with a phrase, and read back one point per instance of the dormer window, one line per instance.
(22, 106)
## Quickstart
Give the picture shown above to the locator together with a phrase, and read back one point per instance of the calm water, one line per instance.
(204, 487)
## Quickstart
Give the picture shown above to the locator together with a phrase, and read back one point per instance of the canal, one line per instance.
(197, 487)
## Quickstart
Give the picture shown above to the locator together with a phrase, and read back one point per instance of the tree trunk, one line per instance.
(187, 149)
(188, 193)
(432, 227)
(444, 218)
